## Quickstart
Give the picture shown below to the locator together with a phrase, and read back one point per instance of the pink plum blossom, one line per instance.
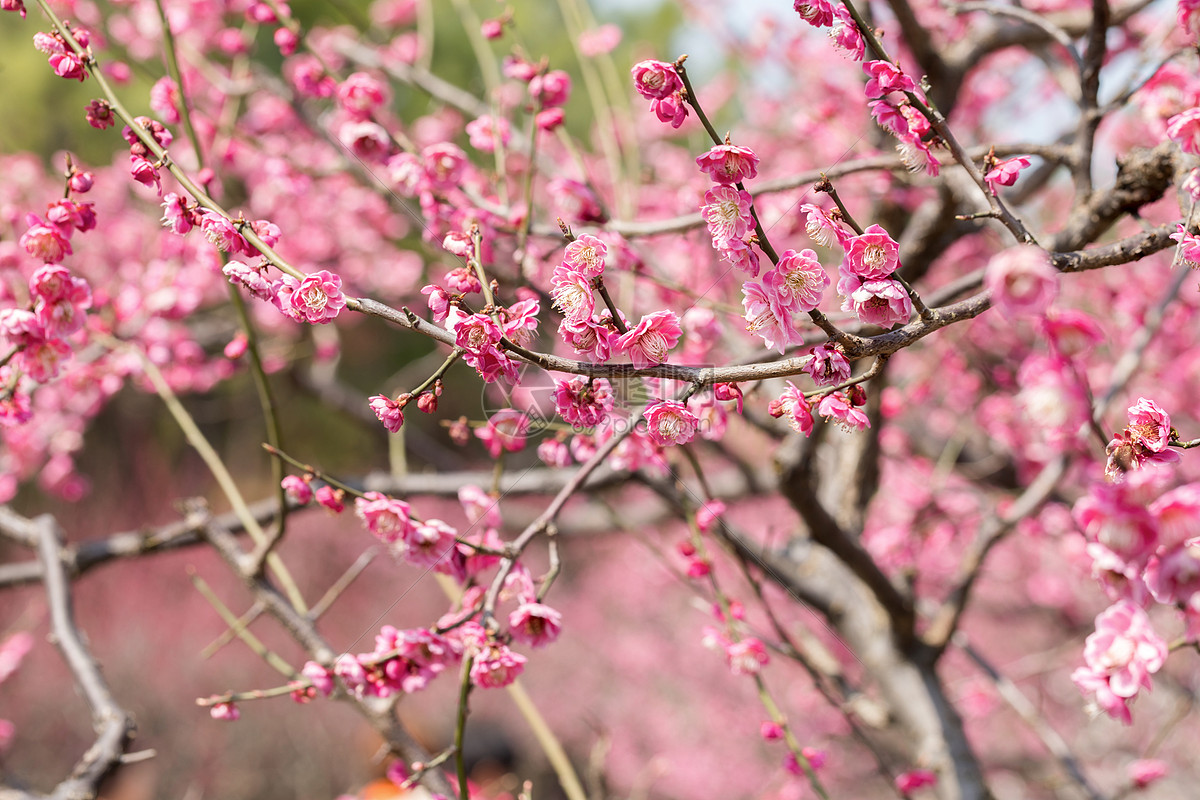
(837, 407)
(872, 255)
(827, 365)
(316, 299)
(387, 518)
(552, 89)
(747, 656)
(794, 408)
(573, 295)
(496, 666)
(726, 210)
(389, 412)
(486, 130)
(655, 80)
(1149, 425)
(535, 624)
(1189, 246)
(799, 280)
(875, 302)
(582, 401)
(1146, 771)
(505, 430)
(1022, 281)
(586, 255)
(649, 342)
(818, 13)
(299, 491)
(225, 711)
(1005, 172)
(884, 77)
(1184, 130)
(728, 164)
(1121, 656)
(767, 317)
(913, 779)
(669, 423)
(320, 677)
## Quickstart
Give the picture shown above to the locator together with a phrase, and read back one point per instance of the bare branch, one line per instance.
(113, 725)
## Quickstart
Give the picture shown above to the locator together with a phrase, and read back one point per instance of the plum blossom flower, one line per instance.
(818, 13)
(387, 518)
(13, 5)
(178, 216)
(554, 453)
(1121, 656)
(361, 94)
(496, 666)
(649, 342)
(485, 130)
(444, 165)
(389, 412)
(316, 299)
(827, 365)
(1022, 280)
(726, 209)
(99, 115)
(552, 89)
(42, 360)
(535, 624)
(164, 99)
(598, 41)
(913, 779)
(60, 300)
(588, 336)
(477, 333)
(583, 402)
(586, 255)
(800, 280)
(505, 430)
(794, 408)
(428, 543)
(320, 677)
(225, 711)
(299, 491)
(1189, 246)
(767, 317)
(872, 255)
(747, 656)
(1173, 575)
(838, 407)
(44, 241)
(1184, 130)
(823, 229)
(333, 499)
(741, 255)
(1146, 771)
(572, 294)
(1005, 172)
(728, 164)
(875, 302)
(669, 422)
(655, 80)
(252, 278)
(1149, 425)
(883, 77)
(672, 109)
(845, 33)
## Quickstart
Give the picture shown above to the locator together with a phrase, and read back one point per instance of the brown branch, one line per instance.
(113, 725)
(795, 483)
(1029, 713)
(380, 713)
